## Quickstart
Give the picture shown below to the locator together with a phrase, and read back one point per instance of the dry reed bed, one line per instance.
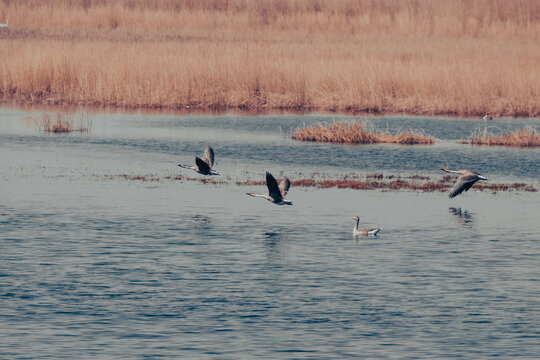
(420, 57)
(356, 133)
(526, 137)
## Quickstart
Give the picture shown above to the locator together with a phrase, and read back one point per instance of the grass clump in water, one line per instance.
(356, 133)
(526, 137)
(64, 123)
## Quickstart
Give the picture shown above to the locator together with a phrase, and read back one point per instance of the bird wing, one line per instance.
(208, 156)
(463, 183)
(284, 186)
(202, 165)
(273, 188)
(369, 231)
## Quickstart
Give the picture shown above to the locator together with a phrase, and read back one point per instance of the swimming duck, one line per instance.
(364, 232)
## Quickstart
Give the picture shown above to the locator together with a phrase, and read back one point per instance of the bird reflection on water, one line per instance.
(202, 219)
(463, 217)
(272, 244)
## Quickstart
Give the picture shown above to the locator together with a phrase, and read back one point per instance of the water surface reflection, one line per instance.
(183, 269)
(463, 217)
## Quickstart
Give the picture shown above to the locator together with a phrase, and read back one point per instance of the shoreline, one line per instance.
(239, 111)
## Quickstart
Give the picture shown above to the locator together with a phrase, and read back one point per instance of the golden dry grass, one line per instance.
(409, 56)
(356, 133)
(526, 137)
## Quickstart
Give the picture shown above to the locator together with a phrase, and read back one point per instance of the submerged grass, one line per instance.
(420, 57)
(526, 137)
(374, 181)
(356, 133)
(392, 183)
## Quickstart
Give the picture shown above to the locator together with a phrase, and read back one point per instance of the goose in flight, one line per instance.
(364, 232)
(4, 25)
(203, 166)
(276, 193)
(464, 182)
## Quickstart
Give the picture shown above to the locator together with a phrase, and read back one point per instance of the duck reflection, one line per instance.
(272, 241)
(202, 220)
(463, 217)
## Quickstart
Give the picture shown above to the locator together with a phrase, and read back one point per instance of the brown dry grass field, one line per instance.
(459, 57)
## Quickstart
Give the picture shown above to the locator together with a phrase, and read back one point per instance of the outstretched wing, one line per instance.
(463, 183)
(284, 186)
(273, 188)
(202, 165)
(208, 156)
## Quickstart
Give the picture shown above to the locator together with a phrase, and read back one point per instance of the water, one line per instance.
(98, 267)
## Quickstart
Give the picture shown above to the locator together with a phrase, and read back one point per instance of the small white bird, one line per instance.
(4, 25)
(364, 232)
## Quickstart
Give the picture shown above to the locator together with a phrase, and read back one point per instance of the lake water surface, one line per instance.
(93, 265)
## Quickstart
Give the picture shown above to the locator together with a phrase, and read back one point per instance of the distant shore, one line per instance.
(432, 58)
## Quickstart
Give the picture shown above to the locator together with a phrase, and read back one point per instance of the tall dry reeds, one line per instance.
(356, 133)
(526, 137)
(411, 56)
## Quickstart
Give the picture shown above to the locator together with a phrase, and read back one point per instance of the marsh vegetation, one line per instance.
(65, 122)
(356, 133)
(418, 57)
(526, 137)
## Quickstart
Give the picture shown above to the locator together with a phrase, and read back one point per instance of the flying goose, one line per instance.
(364, 232)
(203, 166)
(464, 182)
(276, 193)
